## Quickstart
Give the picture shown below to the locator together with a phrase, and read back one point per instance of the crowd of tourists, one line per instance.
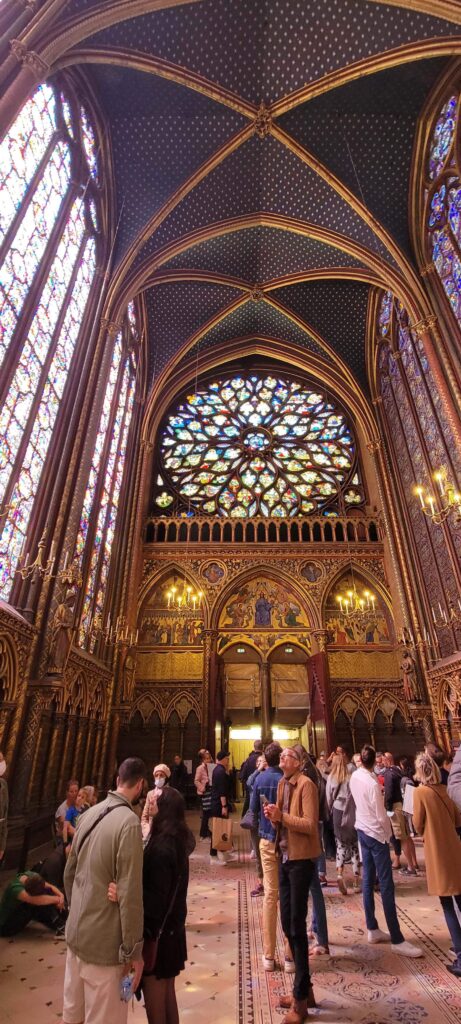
(115, 885)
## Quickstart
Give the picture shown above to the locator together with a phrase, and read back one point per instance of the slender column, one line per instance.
(88, 770)
(81, 726)
(50, 788)
(210, 678)
(97, 759)
(444, 734)
(110, 760)
(266, 703)
(5, 714)
(28, 747)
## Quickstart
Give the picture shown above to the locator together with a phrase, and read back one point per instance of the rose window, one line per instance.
(257, 445)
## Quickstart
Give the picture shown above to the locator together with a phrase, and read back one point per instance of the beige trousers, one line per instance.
(92, 993)
(270, 866)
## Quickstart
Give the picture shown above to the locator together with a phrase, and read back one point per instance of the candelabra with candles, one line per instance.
(442, 620)
(43, 569)
(185, 600)
(445, 502)
(39, 569)
(354, 606)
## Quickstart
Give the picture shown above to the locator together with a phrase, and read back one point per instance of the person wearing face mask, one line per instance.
(161, 775)
(3, 807)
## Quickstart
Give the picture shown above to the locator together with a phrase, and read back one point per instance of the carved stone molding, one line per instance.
(423, 326)
(375, 445)
(257, 294)
(262, 125)
(30, 59)
(110, 326)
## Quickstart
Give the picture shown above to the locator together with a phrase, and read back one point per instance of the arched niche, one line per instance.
(160, 623)
(375, 628)
(289, 683)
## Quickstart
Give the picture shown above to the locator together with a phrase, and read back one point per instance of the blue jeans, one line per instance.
(452, 922)
(376, 861)
(322, 860)
(319, 915)
(295, 877)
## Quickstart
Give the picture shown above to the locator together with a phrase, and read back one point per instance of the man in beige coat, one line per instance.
(104, 939)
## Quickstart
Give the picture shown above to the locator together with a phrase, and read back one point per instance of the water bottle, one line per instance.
(126, 987)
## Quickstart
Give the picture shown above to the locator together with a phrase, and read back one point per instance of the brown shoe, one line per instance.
(298, 1012)
(285, 1002)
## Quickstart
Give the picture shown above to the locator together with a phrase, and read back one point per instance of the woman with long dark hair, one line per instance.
(165, 881)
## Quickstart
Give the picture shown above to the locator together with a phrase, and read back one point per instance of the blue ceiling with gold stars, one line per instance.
(309, 198)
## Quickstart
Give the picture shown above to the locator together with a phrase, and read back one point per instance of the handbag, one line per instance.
(150, 945)
(221, 834)
(348, 818)
(249, 820)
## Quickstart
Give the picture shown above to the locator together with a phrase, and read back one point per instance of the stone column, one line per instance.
(266, 702)
(28, 747)
(50, 788)
(4, 721)
(210, 667)
(81, 727)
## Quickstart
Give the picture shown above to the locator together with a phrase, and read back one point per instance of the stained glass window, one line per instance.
(443, 197)
(420, 440)
(109, 501)
(258, 445)
(49, 252)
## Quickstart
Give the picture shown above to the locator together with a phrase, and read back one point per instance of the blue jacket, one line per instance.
(266, 782)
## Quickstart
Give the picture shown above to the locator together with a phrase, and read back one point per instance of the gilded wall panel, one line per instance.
(169, 665)
(366, 665)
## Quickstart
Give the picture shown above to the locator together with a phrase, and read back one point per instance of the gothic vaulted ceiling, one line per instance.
(262, 154)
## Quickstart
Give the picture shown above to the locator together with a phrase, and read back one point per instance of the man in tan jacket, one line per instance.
(296, 816)
(104, 939)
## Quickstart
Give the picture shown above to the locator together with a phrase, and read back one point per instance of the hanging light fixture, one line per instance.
(355, 607)
(183, 598)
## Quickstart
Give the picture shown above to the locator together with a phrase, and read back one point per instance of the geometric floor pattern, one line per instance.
(224, 982)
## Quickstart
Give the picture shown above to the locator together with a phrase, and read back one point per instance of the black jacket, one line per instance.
(166, 860)
(249, 766)
(392, 787)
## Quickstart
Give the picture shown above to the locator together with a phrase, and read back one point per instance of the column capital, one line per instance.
(378, 400)
(421, 327)
(30, 59)
(110, 326)
(375, 445)
(321, 637)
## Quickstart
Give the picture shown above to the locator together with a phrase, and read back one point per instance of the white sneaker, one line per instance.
(407, 949)
(376, 935)
(214, 860)
(289, 966)
(268, 964)
(252, 855)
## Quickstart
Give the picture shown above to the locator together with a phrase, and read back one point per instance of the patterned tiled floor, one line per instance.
(224, 982)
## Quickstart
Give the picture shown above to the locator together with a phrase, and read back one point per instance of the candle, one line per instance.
(26, 563)
(431, 501)
(433, 614)
(440, 610)
(66, 559)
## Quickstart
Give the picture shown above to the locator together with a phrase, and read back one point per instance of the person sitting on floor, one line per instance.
(29, 898)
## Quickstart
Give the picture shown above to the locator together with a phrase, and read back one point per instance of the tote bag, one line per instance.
(222, 834)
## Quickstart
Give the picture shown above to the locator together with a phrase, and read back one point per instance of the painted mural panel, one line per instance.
(162, 627)
(263, 604)
(371, 630)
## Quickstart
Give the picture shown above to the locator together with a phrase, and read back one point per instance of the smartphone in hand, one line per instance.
(263, 799)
